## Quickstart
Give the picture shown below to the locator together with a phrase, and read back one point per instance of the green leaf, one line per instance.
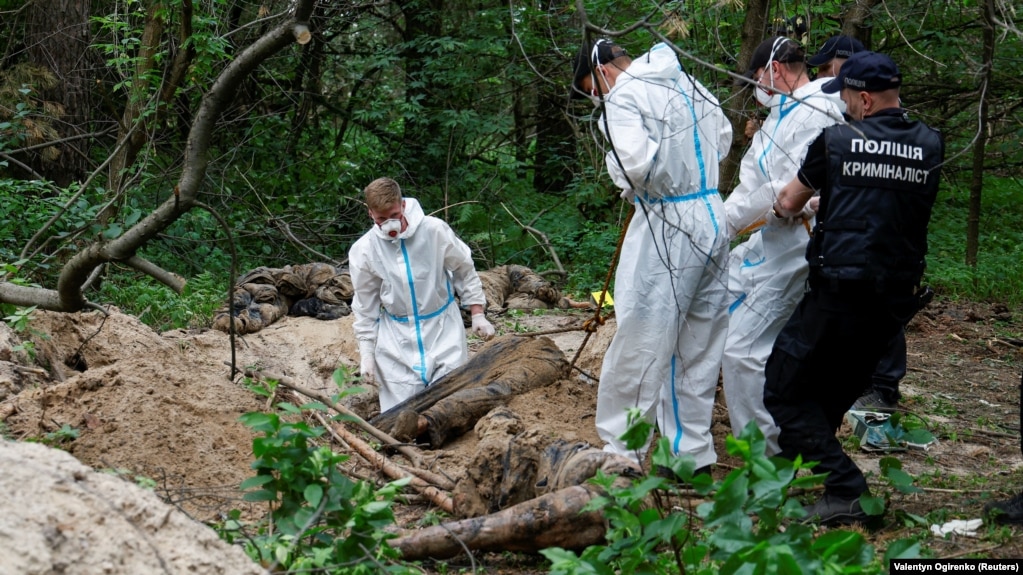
(374, 507)
(261, 495)
(844, 547)
(256, 481)
(872, 505)
(313, 494)
(902, 549)
(112, 231)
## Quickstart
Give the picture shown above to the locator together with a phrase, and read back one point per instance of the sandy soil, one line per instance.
(165, 407)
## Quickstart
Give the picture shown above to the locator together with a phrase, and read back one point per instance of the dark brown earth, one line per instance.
(164, 406)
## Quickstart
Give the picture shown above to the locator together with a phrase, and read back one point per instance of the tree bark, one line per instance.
(134, 132)
(57, 38)
(753, 28)
(980, 146)
(555, 519)
(854, 21)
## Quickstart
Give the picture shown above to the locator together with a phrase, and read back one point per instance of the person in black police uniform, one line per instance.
(878, 178)
(1009, 511)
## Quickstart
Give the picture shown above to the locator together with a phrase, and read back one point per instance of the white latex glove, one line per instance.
(367, 363)
(481, 327)
(775, 221)
(812, 205)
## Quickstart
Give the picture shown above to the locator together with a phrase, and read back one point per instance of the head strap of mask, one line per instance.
(595, 61)
(778, 43)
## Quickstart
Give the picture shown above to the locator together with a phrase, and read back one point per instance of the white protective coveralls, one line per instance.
(768, 271)
(668, 133)
(405, 290)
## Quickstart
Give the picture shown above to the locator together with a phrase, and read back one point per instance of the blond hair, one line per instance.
(382, 193)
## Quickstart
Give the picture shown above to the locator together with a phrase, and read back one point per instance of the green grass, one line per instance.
(998, 276)
(159, 307)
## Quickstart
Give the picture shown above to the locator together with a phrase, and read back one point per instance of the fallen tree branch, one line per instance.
(167, 278)
(392, 470)
(554, 519)
(286, 381)
(430, 477)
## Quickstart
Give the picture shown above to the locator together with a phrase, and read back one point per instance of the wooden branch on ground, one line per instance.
(430, 477)
(555, 519)
(392, 470)
(286, 381)
(167, 278)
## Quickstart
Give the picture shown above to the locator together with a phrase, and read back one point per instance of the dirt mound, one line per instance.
(62, 517)
(165, 406)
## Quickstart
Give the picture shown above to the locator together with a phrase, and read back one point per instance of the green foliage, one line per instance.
(751, 525)
(140, 480)
(18, 319)
(465, 106)
(319, 519)
(159, 307)
(999, 272)
(590, 252)
(59, 438)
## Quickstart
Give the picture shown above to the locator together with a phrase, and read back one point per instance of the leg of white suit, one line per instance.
(767, 274)
(687, 407)
(670, 291)
(409, 357)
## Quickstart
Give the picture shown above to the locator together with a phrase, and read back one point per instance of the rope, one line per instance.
(762, 222)
(591, 325)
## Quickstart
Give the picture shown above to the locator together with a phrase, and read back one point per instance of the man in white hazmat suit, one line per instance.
(406, 272)
(667, 133)
(768, 271)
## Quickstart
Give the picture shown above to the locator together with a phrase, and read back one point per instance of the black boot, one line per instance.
(835, 510)
(1005, 511)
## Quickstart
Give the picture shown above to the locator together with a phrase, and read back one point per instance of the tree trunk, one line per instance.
(555, 143)
(424, 137)
(753, 28)
(57, 37)
(134, 132)
(854, 21)
(980, 147)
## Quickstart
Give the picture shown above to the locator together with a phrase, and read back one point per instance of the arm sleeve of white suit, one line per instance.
(725, 141)
(633, 147)
(744, 207)
(464, 279)
(366, 300)
(771, 162)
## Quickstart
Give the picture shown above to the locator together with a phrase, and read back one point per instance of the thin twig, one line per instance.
(402, 448)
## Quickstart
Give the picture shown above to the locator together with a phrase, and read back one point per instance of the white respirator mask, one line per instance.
(764, 97)
(391, 227)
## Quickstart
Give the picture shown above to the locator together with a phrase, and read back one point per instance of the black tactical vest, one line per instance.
(872, 224)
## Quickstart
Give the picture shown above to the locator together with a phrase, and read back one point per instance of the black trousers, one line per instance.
(891, 368)
(821, 363)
